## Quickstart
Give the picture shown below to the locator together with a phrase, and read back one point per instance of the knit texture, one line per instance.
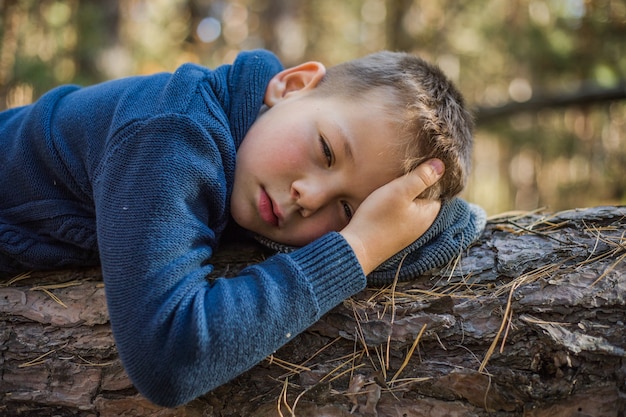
(137, 173)
(457, 225)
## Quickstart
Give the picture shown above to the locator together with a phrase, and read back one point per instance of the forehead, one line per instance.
(377, 106)
(385, 97)
(368, 134)
(373, 120)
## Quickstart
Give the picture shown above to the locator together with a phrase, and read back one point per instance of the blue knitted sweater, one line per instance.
(136, 174)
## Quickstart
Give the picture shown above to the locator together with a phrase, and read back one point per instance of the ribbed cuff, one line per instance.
(332, 268)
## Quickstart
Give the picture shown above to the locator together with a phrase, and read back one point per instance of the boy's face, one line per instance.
(308, 162)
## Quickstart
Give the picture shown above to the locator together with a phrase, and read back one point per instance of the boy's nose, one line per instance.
(310, 196)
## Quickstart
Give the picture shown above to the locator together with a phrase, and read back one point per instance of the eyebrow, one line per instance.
(347, 141)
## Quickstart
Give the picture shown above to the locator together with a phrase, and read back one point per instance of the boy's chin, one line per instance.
(280, 237)
(291, 241)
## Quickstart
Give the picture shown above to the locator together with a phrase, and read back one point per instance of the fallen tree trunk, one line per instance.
(528, 322)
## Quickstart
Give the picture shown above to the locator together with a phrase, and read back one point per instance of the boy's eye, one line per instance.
(328, 154)
(348, 211)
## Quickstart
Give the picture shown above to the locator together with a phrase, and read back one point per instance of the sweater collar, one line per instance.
(247, 79)
(455, 228)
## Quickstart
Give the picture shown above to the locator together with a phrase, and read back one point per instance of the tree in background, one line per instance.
(528, 66)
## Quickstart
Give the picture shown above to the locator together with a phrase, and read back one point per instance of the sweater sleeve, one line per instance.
(160, 198)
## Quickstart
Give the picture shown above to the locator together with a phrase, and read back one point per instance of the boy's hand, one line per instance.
(392, 217)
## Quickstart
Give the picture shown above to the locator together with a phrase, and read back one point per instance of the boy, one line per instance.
(142, 175)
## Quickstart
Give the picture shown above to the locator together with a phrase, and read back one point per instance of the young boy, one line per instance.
(143, 174)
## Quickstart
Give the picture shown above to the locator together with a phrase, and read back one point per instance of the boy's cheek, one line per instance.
(240, 212)
(316, 229)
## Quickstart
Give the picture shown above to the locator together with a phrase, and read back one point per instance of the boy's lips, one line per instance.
(266, 209)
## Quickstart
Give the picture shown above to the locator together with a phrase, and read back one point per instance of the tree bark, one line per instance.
(528, 322)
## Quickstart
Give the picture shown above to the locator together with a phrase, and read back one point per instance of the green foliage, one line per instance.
(498, 51)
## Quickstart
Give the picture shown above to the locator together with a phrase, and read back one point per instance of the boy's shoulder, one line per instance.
(249, 71)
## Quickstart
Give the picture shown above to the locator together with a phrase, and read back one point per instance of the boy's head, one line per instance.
(431, 111)
(330, 138)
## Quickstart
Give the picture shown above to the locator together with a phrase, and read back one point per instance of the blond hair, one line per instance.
(434, 120)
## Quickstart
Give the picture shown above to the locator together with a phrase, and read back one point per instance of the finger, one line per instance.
(425, 175)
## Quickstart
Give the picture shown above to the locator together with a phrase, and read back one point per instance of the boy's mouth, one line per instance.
(266, 209)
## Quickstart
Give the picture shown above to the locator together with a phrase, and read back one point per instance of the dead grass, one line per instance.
(385, 303)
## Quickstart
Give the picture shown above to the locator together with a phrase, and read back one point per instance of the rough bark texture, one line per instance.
(528, 322)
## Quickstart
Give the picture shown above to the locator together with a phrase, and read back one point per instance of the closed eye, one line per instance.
(347, 211)
(326, 151)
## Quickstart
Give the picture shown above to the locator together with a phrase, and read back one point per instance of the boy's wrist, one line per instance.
(360, 251)
(331, 268)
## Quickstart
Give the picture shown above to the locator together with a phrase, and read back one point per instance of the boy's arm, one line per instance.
(392, 217)
(160, 202)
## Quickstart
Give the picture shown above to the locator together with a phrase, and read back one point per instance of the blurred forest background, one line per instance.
(546, 77)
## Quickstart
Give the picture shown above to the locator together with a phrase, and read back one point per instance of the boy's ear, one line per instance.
(299, 78)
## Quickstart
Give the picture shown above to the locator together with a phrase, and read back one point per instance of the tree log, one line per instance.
(529, 321)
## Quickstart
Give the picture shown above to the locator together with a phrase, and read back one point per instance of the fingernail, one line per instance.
(437, 166)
